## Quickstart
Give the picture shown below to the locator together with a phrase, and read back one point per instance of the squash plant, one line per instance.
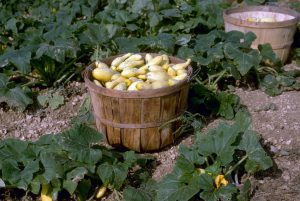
(70, 161)
(216, 167)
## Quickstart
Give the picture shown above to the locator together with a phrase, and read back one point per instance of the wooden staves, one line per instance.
(133, 119)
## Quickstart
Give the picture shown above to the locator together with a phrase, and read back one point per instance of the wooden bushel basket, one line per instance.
(133, 119)
(280, 34)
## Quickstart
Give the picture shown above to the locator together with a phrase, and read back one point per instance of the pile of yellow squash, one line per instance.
(132, 72)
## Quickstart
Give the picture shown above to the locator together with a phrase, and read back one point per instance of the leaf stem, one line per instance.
(236, 165)
(220, 76)
(27, 75)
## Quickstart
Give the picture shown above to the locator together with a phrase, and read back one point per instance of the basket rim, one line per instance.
(274, 25)
(149, 93)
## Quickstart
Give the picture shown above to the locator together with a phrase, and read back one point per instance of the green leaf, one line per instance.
(268, 54)
(78, 141)
(209, 41)
(83, 189)
(140, 5)
(114, 175)
(183, 39)
(171, 188)
(20, 58)
(224, 193)
(169, 13)
(245, 60)
(245, 191)
(188, 158)
(59, 51)
(185, 52)
(53, 168)
(55, 101)
(16, 176)
(95, 34)
(130, 158)
(242, 120)
(43, 99)
(11, 24)
(14, 149)
(228, 102)
(111, 29)
(137, 194)
(2, 183)
(154, 19)
(3, 80)
(128, 44)
(35, 185)
(219, 141)
(15, 97)
(257, 158)
(70, 186)
(270, 85)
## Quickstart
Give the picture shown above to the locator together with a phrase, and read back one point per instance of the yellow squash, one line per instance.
(102, 74)
(117, 61)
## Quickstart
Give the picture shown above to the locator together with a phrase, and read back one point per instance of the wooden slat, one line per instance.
(150, 139)
(183, 98)
(166, 135)
(151, 110)
(130, 111)
(116, 118)
(168, 106)
(168, 110)
(131, 139)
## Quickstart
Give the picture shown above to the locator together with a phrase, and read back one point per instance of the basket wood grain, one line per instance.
(132, 119)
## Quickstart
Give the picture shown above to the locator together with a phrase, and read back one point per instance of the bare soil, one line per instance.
(277, 119)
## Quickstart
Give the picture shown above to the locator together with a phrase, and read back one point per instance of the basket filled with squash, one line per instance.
(135, 95)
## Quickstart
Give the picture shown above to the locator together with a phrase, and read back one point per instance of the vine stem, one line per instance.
(220, 76)
(236, 165)
(26, 75)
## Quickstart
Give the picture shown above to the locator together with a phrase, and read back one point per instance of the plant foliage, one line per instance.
(226, 150)
(71, 160)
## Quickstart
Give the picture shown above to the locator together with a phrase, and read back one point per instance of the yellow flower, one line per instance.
(219, 180)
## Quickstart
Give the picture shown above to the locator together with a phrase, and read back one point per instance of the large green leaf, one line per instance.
(59, 51)
(219, 141)
(137, 194)
(15, 97)
(94, 34)
(114, 174)
(245, 60)
(257, 157)
(228, 102)
(53, 167)
(78, 142)
(171, 188)
(139, 5)
(14, 149)
(19, 57)
(20, 178)
(224, 193)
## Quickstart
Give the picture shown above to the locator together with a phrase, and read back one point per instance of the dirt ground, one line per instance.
(277, 119)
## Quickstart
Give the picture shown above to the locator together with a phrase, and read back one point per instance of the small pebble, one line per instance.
(288, 142)
(284, 153)
(286, 176)
(273, 149)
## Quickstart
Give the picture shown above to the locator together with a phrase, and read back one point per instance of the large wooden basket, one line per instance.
(279, 34)
(133, 119)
